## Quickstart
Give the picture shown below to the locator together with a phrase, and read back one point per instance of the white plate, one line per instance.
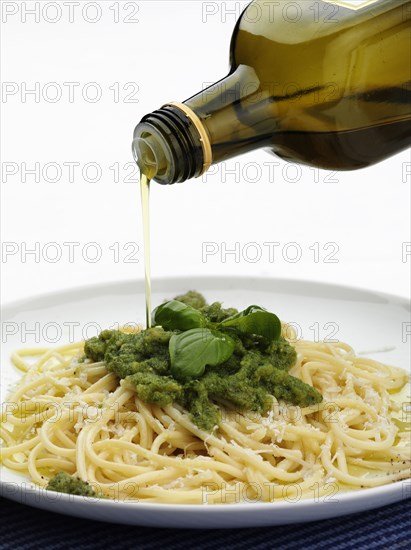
(371, 322)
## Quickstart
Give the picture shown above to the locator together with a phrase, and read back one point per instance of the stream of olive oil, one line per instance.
(145, 203)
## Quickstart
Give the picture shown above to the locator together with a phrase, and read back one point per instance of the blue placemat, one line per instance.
(25, 528)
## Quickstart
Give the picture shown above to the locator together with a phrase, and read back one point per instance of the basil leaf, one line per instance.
(245, 312)
(175, 315)
(255, 320)
(192, 350)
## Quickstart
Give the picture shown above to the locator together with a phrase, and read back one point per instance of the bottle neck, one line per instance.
(181, 141)
(238, 113)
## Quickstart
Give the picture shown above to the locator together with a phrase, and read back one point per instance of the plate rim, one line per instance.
(82, 289)
(360, 495)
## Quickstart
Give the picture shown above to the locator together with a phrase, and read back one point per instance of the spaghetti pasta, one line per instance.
(74, 417)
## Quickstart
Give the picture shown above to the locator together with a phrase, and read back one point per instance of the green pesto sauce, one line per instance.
(254, 373)
(64, 483)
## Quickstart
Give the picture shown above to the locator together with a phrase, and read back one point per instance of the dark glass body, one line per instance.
(323, 85)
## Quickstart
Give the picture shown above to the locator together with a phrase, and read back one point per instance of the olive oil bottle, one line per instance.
(327, 83)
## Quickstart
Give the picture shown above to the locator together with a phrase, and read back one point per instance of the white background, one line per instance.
(169, 52)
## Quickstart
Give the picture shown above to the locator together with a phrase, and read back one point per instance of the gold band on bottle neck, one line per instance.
(202, 132)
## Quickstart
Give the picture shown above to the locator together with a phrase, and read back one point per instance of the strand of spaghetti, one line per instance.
(358, 404)
(379, 464)
(24, 389)
(362, 481)
(32, 466)
(15, 465)
(245, 456)
(127, 469)
(6, 436)
(159, 440)
(160, 416)
(180, 440)
(146, 413)
(366, 434)
(359, 443)
(83, 445)
(339, 365)
(64, 439)
(184, 463)
(20, 363)
(45, 359)
(296, 433)
(105, 382)
(271, 448)
(221, 456)
(378, 368)
(18, 447)
(47, 430)
(142, 479)
(341, 459)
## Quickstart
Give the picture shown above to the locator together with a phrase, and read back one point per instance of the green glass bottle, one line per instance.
(326, 83)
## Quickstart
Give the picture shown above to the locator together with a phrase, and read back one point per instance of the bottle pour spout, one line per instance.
(171, 145)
